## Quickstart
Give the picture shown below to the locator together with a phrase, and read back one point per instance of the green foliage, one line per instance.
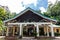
(4, 15)
(13, 15)
(35, 33)
(2, 27)
(57, 34)
(53, 11)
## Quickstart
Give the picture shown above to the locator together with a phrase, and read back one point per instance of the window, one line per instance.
(57, 30)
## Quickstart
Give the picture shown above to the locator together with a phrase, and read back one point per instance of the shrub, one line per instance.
(57, 34)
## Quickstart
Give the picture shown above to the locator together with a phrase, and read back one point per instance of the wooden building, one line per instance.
(29, 21)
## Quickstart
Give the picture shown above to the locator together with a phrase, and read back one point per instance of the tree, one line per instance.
(13, 15)
(3, 14)
(53, 11)
(2, 27)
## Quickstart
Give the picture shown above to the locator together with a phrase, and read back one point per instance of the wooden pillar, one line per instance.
(13, 31)
(47, 32)
(44, 30)
(59, 29)
(37, 29)
(7, 31)
(20, 29)
(52, 32)
(17, 29)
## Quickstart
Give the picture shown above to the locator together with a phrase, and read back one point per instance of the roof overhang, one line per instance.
(53, 25)
(33, 12)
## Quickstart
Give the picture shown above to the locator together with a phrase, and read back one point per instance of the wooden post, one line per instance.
(47, 32)
(52, 32)
(13, 31)
(7, 31)
(37, 29)
(20, 29)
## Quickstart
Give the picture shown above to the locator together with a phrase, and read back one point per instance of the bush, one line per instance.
(35, 34)
(57, 34)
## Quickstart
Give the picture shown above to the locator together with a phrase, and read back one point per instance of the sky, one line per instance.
(19, 5)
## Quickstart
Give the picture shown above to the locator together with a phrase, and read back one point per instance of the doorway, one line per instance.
(28, 30)
(41, 31)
